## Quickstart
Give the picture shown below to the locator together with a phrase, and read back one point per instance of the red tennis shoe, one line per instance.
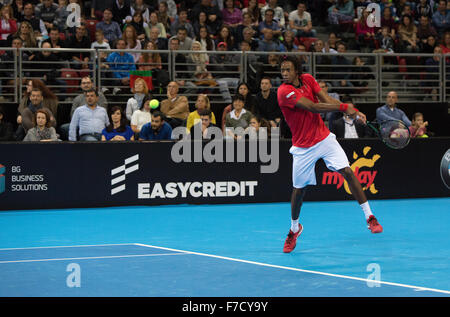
(291, 240)
(373, 225)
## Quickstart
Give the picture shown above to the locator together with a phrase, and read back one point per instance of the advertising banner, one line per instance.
(81, 175)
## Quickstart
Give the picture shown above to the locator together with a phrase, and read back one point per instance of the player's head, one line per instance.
(291, 68)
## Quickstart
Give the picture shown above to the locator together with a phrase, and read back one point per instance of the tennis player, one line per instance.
(301, 100)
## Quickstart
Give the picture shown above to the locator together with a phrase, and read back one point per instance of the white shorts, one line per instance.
(304, 160)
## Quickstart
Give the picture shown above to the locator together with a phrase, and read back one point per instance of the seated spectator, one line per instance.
(365, 34)
(331, 43)
(204, 37)
(36, 24)
(111, 29)
(433, 65)
(27, 114)
(161, 43)
(141, 27)
(49, 101)
(269, 23)
(342, 11)
(390, 111)
(88, 121)
(277, 10)
(300, 22)
(140, 91)
(129, 35)
(149, 60)
(231, 15)
(100, 43)
(267, 103)
(330, 116)
(42, 130)
(360, 75)
(445, 46)
(140, 6)
(429, 45)
(55, 41)
(387, 20)
(80, 100)
(247, 22)
(154, 23)
(175, 107)
(269, 44)
(163, 16)
(118, 129)
(257, 124)
(407, 33)
(349, 128)
(254, 10)
(98, 7)
(46, 11)
(425, 29)
(185, 41)
(248, 35)
(201, 104)
(181, 67)
(213, 13)
(340, 67)
(441, 17)
(49, 67)
(202, 22)
(226, 36)
(249, 100)
(26, 34)
(237, 118)
(157, 129)
(120, 63)
(182, 21)
(78, 60)
(61, 16)
(204, 123)
(8, 24)
(423, 8)
(10, 60)
(385, 40)
(6, 128)
(121, 9)
(141, 116)
(418, 127)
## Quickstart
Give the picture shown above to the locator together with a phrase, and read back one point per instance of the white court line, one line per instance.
(68, 246)
(416, 288)
(93, 257)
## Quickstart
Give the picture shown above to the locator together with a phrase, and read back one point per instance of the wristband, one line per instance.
(343, 107)
(355, 109)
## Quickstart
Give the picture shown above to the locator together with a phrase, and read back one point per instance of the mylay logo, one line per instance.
(2, 178)
(131, 165)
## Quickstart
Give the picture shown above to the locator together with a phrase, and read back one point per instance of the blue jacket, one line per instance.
(121, 64)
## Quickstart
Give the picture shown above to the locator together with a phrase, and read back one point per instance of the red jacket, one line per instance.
(12, 29)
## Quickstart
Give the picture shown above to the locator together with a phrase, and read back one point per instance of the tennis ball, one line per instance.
(154, 103)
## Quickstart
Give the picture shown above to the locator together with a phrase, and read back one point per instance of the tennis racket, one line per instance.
(394, 133)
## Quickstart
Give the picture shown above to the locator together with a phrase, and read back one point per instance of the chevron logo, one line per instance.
(130, 165)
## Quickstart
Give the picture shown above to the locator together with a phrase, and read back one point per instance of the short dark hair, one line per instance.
(158, 114)
(92, 90)
(205, 112)
(238, 97)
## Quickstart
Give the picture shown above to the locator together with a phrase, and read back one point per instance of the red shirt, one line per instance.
(307, 128)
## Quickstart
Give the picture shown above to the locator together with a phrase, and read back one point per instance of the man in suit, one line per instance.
(348, 128)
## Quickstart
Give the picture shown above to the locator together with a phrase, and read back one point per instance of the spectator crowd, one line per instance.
(139, 28)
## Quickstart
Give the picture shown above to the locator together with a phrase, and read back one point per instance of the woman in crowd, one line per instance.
(202, 103)
(133, 43)
(237, 118)
(141, 116)
(42, 130)
(118, 130)
(140, 91)
(8, 24)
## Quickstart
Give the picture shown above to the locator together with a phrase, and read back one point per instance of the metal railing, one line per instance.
(415, 77)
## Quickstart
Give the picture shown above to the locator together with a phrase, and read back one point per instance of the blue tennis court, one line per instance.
(227, 251)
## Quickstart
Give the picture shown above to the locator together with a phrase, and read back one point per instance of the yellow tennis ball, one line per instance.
(154, 103)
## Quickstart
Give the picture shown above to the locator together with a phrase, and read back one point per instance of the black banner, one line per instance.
(80, 175)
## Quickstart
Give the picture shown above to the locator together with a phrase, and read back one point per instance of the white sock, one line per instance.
(366, 208)
(294, 226)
